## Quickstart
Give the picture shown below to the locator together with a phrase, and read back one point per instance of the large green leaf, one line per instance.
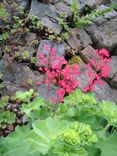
(15, 143)
(80, 98)
(35, 142)
(44, 132)
(108, 145)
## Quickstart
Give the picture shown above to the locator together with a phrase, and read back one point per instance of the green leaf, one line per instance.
(3, 101)
(108, 145)
(27, 142)
(15, 143)
(24, 96)
(36, 109)
(109, 111)
(78, 97)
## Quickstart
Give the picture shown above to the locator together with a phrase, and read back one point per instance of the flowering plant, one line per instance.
(60, 73)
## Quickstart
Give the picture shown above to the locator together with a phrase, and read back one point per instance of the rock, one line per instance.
(1, 53)
(114, 53)
(78, 39)
(7, 89)
(47, 14)
(46, 92)
(61, 7)
(104, 92)
(113, 66)
(84, 80)
(17, 73)
(53, 1)
(25, 43)
(23, 4)
(94, 3)
(103, 18)
(104, 36)
(113, 2)
(99, 20)
(112, 77)
(89, 54)
(45, 48)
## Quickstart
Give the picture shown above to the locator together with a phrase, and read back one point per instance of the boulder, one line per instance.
(61, 7)
(105, 35)
(7, 89)
(46, 47)
(94, 3)
(103, 18)
(26, 43)
(112, 77)
(16, 73)
(78, 39)
(47, 14)
(47, 92)
(84, 79)
(104, 92)
(88, 54)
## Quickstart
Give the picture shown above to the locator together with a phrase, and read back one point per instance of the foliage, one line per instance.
(6, 117)
(84, 20)
(3, 101)
(35, 23)
(80, 126)
(61, 73)
(35, 109)
(3, 12)
(4, 36)
(49, 137)
(24, 96)
(75, 60)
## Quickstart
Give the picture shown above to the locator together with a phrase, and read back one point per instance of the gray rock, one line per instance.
(113, 72)
(53, 1)
(113, 66)
(47, 92)
(47, 14)
(94, 3)
(7, 89)
(62, 7)
(101, 19)
(88, 54)
(26, 42)
(23, 4)
(78, 39)
(104, 36)
(108, 15)
(114, 53)
(16, 73)
(84, 80)
(1, 53)
(60, 50)
(51, 24)
(104, 92)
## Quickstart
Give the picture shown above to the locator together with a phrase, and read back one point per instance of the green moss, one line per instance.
(75, 60)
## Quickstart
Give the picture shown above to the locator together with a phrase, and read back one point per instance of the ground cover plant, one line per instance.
(81, 126)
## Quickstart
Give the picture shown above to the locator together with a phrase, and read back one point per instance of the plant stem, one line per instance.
(106, 127)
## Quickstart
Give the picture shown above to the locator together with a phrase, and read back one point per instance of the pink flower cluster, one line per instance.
(56, 74)
(59, 73)
(103, 69)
